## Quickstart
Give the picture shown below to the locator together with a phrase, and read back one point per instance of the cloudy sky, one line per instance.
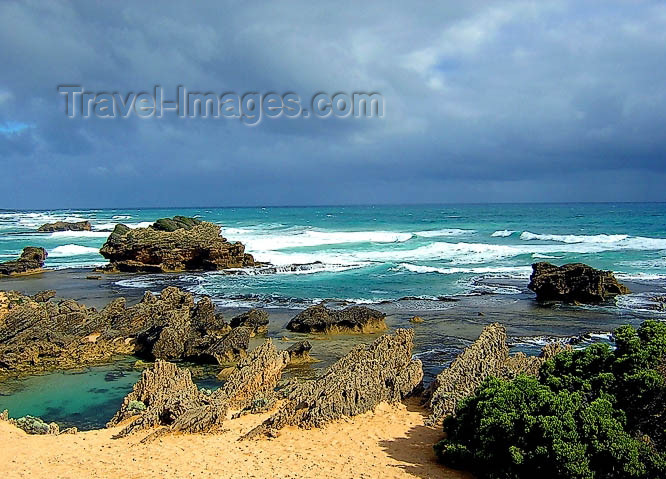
(484, 102)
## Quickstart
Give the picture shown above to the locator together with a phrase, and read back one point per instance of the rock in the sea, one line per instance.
(300, 352)
(31, 261)
(257, 319)
(355, 319)
(574, 283)
(487, 356)
(65, 226)
(40, 335)
(416, 319)
(172, 244)
(383, 371)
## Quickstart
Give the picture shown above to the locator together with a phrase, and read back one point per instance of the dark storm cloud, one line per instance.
(486, 101)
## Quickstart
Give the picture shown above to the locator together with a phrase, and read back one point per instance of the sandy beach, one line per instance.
(390, 442)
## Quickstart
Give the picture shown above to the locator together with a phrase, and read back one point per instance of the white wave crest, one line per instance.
(502, 233)
(602, 238)
(514, 271)
(79, 234)
(317, 238)
(71, 250)
(443, 232)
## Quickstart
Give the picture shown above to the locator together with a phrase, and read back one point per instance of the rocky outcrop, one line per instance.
(172, 244)
(487, 356)
(166, 395)
(300, 352)
(162, 395)
(355, 319)
(256, 319)
(383, 371)
(37, 334)
(31, 261)
(65, 226)
(574, 283)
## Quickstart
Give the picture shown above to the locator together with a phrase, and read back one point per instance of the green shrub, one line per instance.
(592, 413)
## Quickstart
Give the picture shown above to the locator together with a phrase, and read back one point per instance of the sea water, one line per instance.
(461, 267)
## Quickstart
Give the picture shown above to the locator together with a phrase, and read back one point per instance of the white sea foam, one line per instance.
(79, 234)
(502, 233)
(596, 239)
(545, 256)
(71, 250)
(318, 238)
(121, 217)
(443, 232)
(513, 270)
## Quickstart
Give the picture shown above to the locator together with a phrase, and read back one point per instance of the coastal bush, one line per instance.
(591, 414)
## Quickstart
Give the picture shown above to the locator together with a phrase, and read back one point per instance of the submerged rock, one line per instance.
(39, 335)
(31, 261)
(487, 356)
(355, 319)
(257, 319)
(172, 244)
(65, 226)
(573, 283)
(383, 371)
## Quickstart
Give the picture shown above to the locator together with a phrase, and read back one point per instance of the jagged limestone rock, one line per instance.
(383, 371)
(44, 335)
(166, 391)
(170, 398)
(487, 356)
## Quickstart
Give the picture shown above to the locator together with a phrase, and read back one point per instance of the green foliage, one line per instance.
(177, 222)
(593, 413)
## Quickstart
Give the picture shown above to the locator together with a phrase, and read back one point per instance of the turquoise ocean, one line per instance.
(375, 253)
(450, 262)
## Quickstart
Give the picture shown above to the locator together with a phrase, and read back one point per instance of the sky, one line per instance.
(506, 101)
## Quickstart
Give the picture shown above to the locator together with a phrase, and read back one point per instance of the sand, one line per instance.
(390, 442)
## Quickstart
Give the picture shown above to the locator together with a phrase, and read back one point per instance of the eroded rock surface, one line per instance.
(31, 261)
(38, 334)
(65, 226)
(487, 356)
(355, 319)
(383, 371)
(574, 283)
(172, 244)
(166, 395)
(257, 319)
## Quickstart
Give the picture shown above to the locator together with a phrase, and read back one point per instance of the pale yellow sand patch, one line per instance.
(391, 442)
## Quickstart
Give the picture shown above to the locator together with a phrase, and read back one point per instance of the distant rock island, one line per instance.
(172, 245)
(64, 226)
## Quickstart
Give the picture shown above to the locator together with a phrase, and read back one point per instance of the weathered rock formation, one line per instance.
(31, 261)
(300, 352)
(383, 371)
(65, 226)
(172, 244)
(166, 395)
(574, 283)
(487, 356)
(355, 319)
(257, 319)
(37, 334)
